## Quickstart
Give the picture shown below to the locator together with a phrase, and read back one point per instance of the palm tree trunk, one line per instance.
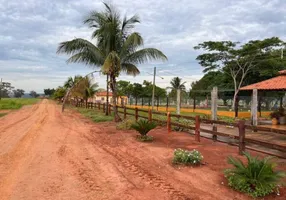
(107, 95)
(114, 96)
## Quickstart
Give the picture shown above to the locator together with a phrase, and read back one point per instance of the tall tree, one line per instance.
(18, 93)
(5, 89)
(122, 87)
(49, 92)
(34, 94)
(85, 89)
(177, 86)
(72, 81)
(137, 91)
(176, 83)
(59, 93)
(117, 48)
(234, 59)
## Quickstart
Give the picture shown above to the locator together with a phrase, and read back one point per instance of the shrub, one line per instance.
(144, 138)
(183, 122)
(226, 119)
(257, 178)
(125, 124)
(143, 126)
(193, 157)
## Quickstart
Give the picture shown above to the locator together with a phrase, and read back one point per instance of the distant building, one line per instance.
(100, 97)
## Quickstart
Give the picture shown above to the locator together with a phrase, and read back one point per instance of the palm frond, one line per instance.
(75, 46)
(145, 55)
(129, 69)
(89, 58)
(129, 23)
(133, 41)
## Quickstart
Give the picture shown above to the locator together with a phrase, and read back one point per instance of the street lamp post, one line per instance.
(153, 92)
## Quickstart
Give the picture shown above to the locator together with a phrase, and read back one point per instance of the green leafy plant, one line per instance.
(125, 124)
(257, 178)
(186, 157)
(226, 119)
(183, 122)
(143, 127)
(144, 138)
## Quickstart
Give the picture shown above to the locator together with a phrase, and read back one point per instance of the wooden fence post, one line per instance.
(124, 112)
(103, 107)
(98, 106)
(169, 122)
(136, 113)
(215, 130)
(241, 130)
(109, 109)
(197, 131)
(149, 115)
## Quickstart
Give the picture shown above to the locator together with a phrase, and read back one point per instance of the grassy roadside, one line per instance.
(13, 103)
(94, 115)
(2, 114)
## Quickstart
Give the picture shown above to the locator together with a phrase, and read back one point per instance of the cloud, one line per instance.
(31, 31)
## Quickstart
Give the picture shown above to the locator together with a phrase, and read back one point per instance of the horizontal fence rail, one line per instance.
(171, 119)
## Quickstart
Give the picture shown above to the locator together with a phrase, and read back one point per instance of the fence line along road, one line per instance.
(240, 140)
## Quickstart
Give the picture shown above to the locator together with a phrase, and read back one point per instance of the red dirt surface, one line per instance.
(46, 154)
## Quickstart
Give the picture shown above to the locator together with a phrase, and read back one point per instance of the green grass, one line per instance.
(2, 114)
(95, 115)
(13, 103)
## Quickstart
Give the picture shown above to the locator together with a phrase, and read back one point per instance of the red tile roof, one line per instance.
(103, 94)
(282, 72)
(276, 83)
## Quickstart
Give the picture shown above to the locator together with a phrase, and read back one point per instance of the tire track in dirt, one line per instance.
(83, 173)
(28, 116)
(16, 156)
(148, 177)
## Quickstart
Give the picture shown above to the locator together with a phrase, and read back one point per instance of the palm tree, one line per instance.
(178, 86)
(177, 83)
(71, 83)
(117, 48)
(86, 88)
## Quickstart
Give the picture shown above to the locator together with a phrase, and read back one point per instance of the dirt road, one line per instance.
(45, 154)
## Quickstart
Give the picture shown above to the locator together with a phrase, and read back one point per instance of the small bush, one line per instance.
(226, 119)
(125, 124)
(143, 126)
(257, 178)
(144, 138)
(183, 122)
(193, 157)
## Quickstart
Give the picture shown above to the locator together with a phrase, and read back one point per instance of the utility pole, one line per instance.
(153, 94)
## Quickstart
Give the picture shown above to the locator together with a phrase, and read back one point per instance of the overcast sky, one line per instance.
(32, 29)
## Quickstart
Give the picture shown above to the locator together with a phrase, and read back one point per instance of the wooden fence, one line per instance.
(174, 120)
